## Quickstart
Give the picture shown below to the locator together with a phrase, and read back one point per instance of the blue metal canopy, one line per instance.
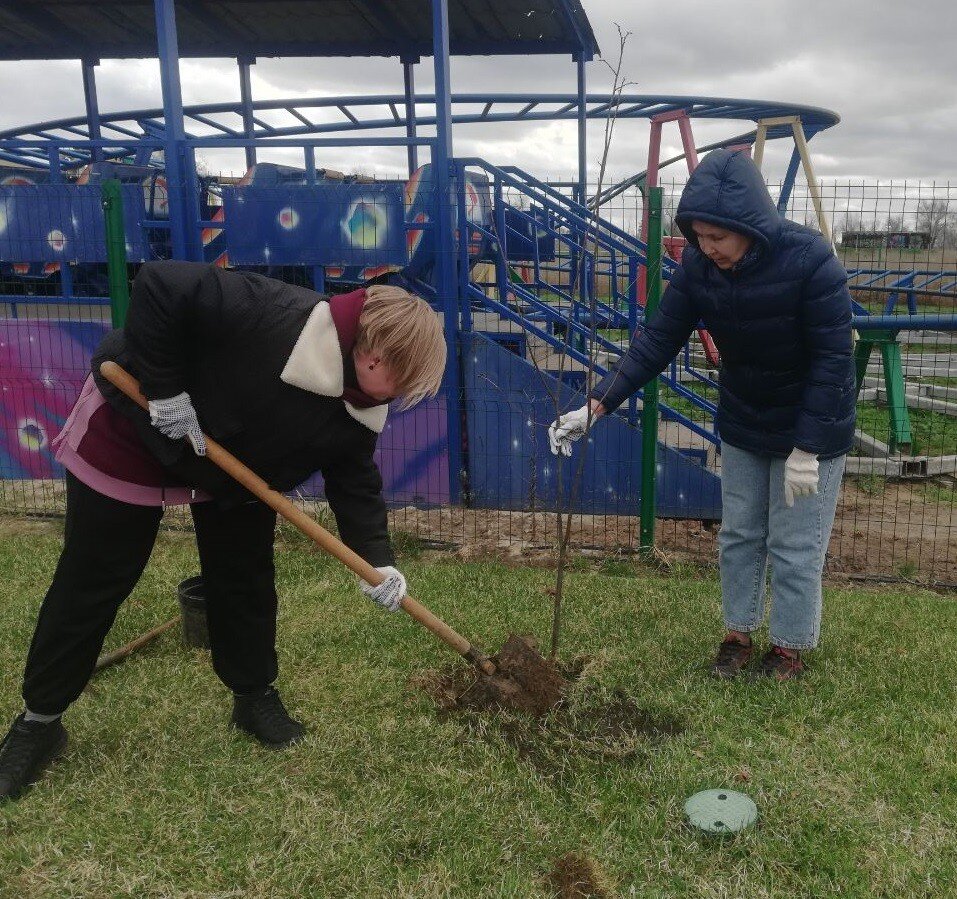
(108, 29)
(307, 116)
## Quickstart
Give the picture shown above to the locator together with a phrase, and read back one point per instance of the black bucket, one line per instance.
(192, 604)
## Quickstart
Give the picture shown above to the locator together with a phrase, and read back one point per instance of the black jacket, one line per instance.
(781, 320)
(225, 338)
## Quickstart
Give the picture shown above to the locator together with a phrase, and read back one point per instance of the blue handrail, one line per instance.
(582, 235)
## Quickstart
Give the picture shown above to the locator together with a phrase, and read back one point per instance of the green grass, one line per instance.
(871, 484)
(940, 493)
(853, 769)
(680, 404)
(926, 305)
(928, 348)
(614, 334)
(934, 433)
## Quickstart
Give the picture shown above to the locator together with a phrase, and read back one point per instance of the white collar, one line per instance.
(315, 364)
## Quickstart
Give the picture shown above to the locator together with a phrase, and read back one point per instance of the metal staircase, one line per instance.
(579, 301)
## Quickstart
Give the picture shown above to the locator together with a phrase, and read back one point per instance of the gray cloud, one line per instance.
(890, 78)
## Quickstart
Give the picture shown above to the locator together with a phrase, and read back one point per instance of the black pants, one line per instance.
(106, 546)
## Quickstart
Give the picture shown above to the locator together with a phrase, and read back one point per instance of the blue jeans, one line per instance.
(757, 528)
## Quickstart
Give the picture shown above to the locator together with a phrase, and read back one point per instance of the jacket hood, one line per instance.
(728, 190)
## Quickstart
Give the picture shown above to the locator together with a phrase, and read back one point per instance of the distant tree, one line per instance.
(950, 234)
(850, 221)
(936, 218)
(894, 223)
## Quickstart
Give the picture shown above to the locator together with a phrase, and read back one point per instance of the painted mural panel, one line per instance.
(43, 365)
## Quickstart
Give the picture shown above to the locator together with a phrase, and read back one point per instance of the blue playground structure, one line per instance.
(535, 285)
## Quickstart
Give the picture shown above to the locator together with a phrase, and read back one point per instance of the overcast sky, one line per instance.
(888, 68)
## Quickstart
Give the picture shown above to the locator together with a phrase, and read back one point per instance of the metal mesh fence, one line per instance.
(898, 513)
(898, 240)
(52, 314)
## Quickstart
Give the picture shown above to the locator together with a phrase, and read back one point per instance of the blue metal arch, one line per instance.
(211, 122)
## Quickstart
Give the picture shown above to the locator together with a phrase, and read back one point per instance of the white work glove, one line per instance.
(390, 593)
(176, 418)
(800, 476)
(569, 428)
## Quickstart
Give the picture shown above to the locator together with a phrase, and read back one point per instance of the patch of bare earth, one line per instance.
(588, 724)
(575, 876)
(892, 532)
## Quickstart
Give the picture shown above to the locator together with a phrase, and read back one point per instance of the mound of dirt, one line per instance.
(587, 725)
(524, 682)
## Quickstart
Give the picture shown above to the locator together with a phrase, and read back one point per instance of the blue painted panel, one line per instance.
(64, 223)
(420, 210)
(331, 223)
(523, 235)
(513, 341)
(152, 182)
(509, 406)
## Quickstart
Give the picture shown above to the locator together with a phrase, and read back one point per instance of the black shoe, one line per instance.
(25, 752)
(731, 659)
(265, 717)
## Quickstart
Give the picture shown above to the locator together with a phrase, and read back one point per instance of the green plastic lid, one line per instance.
(721, 811)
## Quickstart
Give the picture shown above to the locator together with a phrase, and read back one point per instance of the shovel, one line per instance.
(519, 678)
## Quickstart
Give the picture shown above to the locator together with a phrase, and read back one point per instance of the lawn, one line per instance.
(853, 769)
(934, 433)
(680, 404)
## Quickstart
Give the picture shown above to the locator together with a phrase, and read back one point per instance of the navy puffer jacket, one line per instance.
(781, 319)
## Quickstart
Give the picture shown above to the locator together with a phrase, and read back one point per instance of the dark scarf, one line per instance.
(346, 309)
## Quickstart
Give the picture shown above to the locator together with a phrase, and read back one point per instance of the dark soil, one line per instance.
(574, 876)
(588, 723)
(524, 682)
(874, 533)
(598, 728)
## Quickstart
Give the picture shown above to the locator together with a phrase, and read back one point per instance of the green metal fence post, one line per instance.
(901, 437)
(116, 252)
(862, 358)
(649, 408)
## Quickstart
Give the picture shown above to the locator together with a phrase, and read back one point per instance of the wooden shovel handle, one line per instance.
(111, 658)
(123, 380)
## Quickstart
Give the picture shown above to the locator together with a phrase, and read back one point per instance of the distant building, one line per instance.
(885, 240)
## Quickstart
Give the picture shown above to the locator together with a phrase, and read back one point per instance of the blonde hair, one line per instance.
(405, 331)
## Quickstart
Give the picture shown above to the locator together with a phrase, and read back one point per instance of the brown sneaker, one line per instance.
(732, 657)
(780, 664)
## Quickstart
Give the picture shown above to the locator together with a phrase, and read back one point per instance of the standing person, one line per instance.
(775, 299)
(290, 382)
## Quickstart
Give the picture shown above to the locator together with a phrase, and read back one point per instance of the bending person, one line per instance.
(289, 381)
